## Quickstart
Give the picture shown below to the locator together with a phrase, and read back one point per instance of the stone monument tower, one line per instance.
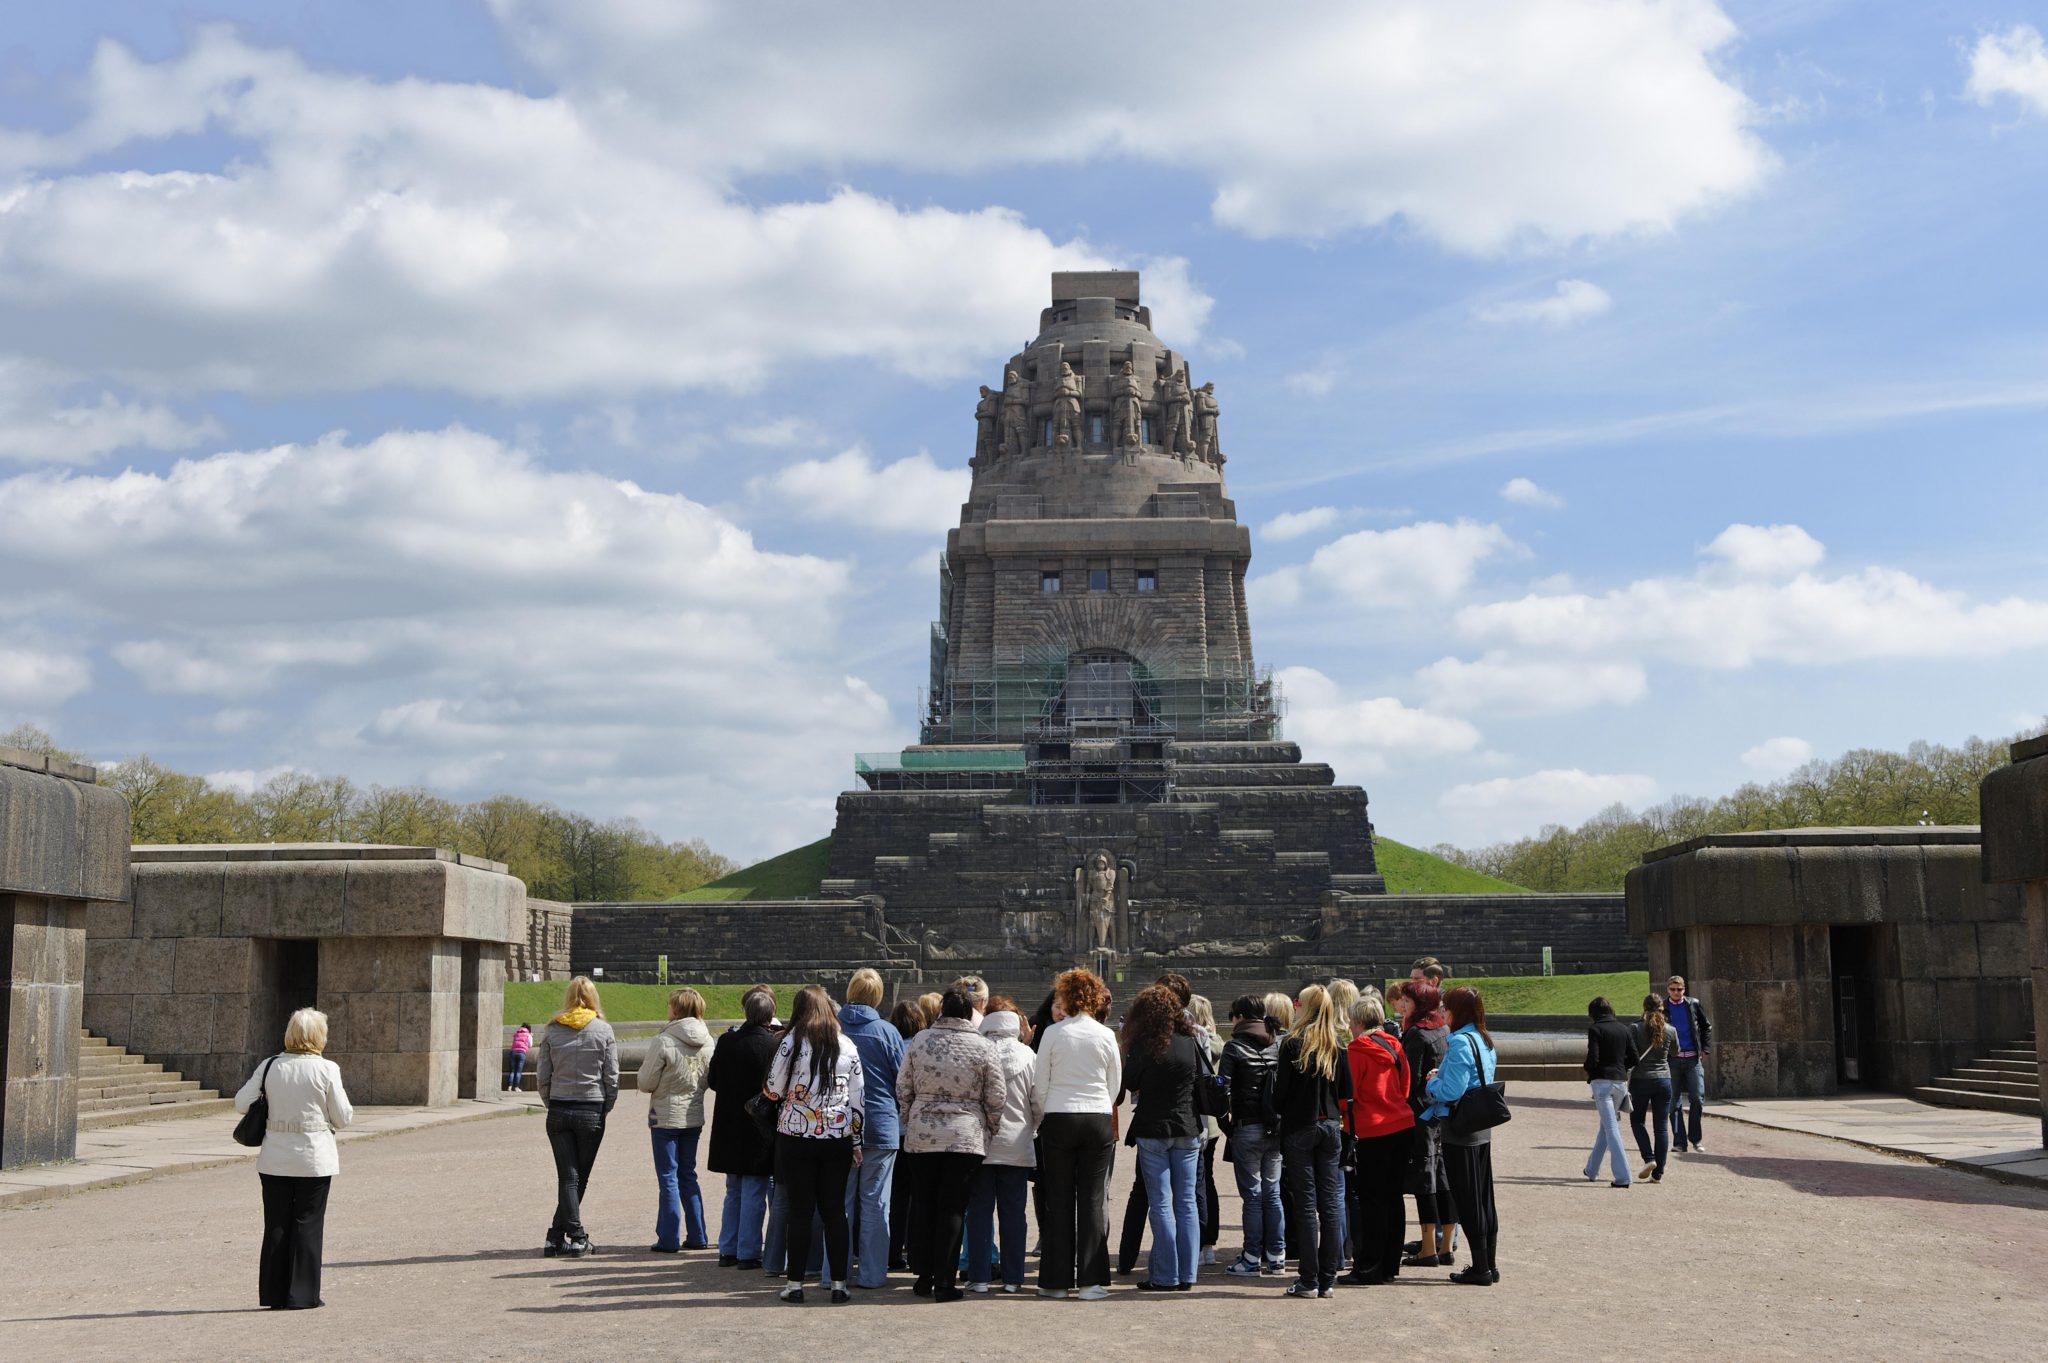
(1100, 767)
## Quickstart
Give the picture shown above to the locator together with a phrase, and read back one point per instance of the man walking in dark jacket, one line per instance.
(1247, 1070)
(1693, 1036)
(739, 1068)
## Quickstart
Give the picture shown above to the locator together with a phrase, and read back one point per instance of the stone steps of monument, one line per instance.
(117, 1087)
(2008, 1079)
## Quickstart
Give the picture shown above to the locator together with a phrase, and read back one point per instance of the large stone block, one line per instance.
(398, 898)
(166, 1024)
(429, 1022)
(284, 898)
(130, 965)
(212, 965)
(61, 837)
(2014, 801)
(175, 900)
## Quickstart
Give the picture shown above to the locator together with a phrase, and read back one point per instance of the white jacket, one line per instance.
(1079, 1068)
(307, 1106)
(1011, 1145)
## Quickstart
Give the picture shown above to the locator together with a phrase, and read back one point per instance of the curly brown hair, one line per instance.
(1156, 1017)
(1081, 991)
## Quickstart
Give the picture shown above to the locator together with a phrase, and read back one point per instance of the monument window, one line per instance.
(1049, 580)
(1148, 579)
(1098, 579)
(1097, 432)
(1151, 431)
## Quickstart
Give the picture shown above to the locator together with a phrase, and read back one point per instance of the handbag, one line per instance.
(249, 1131)
(1212, 1095)
(766, 1111)
(1481, 1107)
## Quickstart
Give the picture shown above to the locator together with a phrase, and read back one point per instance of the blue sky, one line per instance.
(1628, 399)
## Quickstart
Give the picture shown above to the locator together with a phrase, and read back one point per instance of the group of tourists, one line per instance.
(1650, 1068)
(852, 1146)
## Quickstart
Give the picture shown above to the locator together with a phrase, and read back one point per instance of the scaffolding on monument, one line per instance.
(1050, 693)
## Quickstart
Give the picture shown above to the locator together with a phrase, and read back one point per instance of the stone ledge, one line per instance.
(306, 851)
(1915, 836)
(49, 766)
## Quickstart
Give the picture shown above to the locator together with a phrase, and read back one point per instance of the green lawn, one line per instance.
(531, 1002)
(1562, 993)
(793, 875)
(1411, 871)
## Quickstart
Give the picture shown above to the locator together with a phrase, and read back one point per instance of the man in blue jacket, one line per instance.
(1694, 1035)
(881, 1054)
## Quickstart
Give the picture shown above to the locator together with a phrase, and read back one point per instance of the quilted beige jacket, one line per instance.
(950, 1090)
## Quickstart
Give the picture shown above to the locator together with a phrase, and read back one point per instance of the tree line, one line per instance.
(1928, 783)
(559, 853)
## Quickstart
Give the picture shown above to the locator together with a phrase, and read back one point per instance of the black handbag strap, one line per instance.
(262, 1085)
(1478, 1064)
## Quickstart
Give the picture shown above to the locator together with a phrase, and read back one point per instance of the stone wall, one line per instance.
(1380, 936)
(543, 954)
(63, 849)
(731, 941)
(2015, 814)
(403, 948)
(1770, 928)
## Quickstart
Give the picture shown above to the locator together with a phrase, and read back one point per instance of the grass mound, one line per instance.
(1410, 870)
(793, 875)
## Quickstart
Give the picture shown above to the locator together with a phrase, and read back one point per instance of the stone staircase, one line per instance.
(116, 1088)
(2006, 1080)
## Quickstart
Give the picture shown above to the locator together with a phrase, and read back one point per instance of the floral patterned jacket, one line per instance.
(950, 1090)
(831, 1113)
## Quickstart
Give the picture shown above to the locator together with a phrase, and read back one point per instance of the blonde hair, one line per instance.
(977, 990)
(306, 1033)
(685, 1003)
(1343, 993)
(581, 993)
(1205, 1017)
(1316, 1033)
(1369, 1010)
(1280, 1008)
(929, 1005)
(865, 987)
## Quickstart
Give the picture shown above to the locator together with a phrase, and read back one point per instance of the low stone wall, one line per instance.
(1379, 936)
(543, 954)
(2015, 814)
(63, 848)
(730, 941)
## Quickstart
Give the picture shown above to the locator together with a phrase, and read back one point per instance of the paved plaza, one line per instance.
(1772, 1244)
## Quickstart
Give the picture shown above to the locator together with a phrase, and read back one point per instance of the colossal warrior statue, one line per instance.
(1206, 448)
(1126, 420)
(1016, 416)
(987, 412)
(1066, 410)
(1095, 894)
(1179, 411)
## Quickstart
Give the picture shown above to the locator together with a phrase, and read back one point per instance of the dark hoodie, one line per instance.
(1423, 1039)
(1247, 1069)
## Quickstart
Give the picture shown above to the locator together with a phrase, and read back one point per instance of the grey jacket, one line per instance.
(674, 1073)
(950, 1090)
(578, 1065)
(1655, 1061)
(1011, 1143)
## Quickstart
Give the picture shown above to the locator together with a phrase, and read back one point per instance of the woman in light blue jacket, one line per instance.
(1468, 1062)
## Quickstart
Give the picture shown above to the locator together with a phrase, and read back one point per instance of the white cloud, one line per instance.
(1359, 734)
(1501, 683)
(2014, 63)
(777, 433)
(1522, 492)
(1479, 125)
(1292, 525)
(1753, 602)
(245, 780)
(1767, 550)
(1777, 756)
(1311, 383)
(1575, 301)
(1427, 563)
(466, 237)
(911, 494)
(438, 607)
(40, 422)
(1514, 806)
(35, 678)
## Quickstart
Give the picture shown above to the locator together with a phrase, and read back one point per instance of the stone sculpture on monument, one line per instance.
(1066, 410)
(1179, 411)
(1016, 416)
(1127, 423)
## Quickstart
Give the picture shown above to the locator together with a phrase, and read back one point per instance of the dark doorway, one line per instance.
(288, 979)
(1859, 1059)
(466, 1058)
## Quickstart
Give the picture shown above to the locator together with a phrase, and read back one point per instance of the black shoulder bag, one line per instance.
(1481, 1107)
(766, 1111)
(1212, 1095)
(249, 1131)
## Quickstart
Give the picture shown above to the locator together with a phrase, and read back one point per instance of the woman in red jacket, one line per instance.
(1383, 1127)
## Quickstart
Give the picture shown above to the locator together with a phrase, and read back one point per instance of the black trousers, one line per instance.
(900, 1194)
(1379, 1222)
(814, 1174)
(294, 1222)
(1079, 1148)
(1131, 1236)
(1469, 1169)
(1315, 1211)
(939, 1214)
(1212, 1210)
(575, 1130)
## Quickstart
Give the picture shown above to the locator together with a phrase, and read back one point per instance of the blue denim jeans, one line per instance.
(739, 1223)
(870, 1188)
(1169, 1165)
(680, 1203)
(1650, 1110)
(1688, 1085)
(999, 1194)
(1607, 1140)
(518, 1072)
(1257, 1157)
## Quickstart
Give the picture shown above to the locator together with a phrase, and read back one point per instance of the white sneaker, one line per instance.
(977, 1287)
(1095, 1293)
(1053, 1293)
(1012, 1289)
(1208, 1256)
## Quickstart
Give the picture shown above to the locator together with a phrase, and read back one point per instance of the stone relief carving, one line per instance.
(1066, 410)
(1127, 425)
(987, 430)
(1102, 889)
(1016, 416)
(1179, 405)
(1206, 448)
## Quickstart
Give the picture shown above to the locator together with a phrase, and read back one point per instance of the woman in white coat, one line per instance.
(297, 1161)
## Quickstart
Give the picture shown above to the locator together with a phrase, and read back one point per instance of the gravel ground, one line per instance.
(1771, 1245)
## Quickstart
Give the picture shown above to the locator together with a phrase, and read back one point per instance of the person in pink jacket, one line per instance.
(522, 1042)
